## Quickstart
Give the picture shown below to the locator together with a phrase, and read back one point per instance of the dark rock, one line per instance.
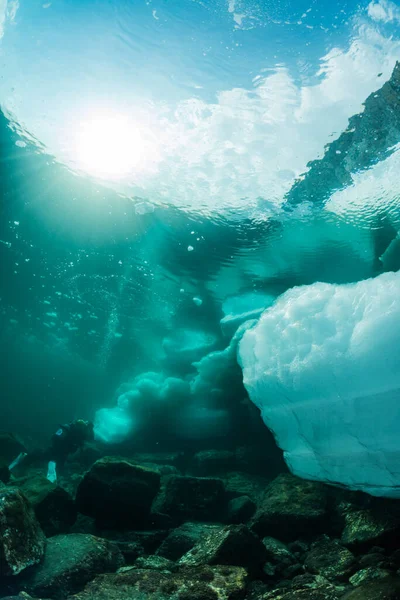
(368, 574)
(70, 562)
(53, 506)
(331, 560)
(240, 510)
(192, 498)
(22, 542)
(385, 589)
(233, 545)
(291, 508)
(157, 563)
(117, 493)
(278, 552)
(10, 447)
(205, 583)
(183, 538)
(213, 462)
(136, 543)
(372, 559)
(322, 592)
(370, 526)
(244, 484)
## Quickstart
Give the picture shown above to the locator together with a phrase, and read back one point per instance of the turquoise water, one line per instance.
(168, 167)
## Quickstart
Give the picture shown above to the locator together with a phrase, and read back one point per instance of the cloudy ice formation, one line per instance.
(323, 366)
(195, 406)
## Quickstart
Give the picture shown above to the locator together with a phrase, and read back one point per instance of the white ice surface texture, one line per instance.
(323, 365)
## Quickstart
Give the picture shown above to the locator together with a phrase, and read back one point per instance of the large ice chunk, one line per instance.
(323, 365)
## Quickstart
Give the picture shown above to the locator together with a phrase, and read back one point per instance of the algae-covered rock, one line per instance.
(291, 508)
(69, 563)
(368, 574)
(240, 510)
(156, 563)
(205, 583)
(22, 542)
(183, 538)
(117, 493)
(369, 527)
(192, 498)
(331, 560)
(232, 545)
(384, 589)
(53, 506)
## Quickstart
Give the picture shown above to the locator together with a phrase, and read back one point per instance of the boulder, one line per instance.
(291, 508)
(368, 574)
(22, 541)
(368, 527)
(192, 498)
(54, 507)
(183, 538)
(203, 583)
(331, 560)
(240, 510)
(156, 563)
(69, 563)
(238, 483)
(278, 554)
(117, 493)
(232, 545)
(384, 589)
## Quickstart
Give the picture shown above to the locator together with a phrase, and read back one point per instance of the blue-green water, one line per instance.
(166, 166)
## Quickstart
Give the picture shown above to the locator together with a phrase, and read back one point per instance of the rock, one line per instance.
(331, 560)
(372, 559)
(278, 554)
(10, 447)
(233, 545)
(240, 510)
(136, 543)
(183, 538)
(186, 498)
(157, 563)
(70, 562)
(117, 493)
(368, 574)
(291, 508)
(213, 462)
(53, 506)
(368, 527)
(244, 484)
(385, 589)
(22, 542)
(322, 592)
(205, 583)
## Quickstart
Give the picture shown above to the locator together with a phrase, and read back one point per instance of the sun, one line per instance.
(109, 146)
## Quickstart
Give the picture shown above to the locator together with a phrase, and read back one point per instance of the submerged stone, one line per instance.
(240, 510)
(331, 560)
(22, 542)
(385, 589)
(183, 538)
(232, 545)
(291, 508)
(117, 493)
(192, 498)
(53, 506)
(69, 563)
(204, 583)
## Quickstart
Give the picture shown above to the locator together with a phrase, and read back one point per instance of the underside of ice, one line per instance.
(323, 366)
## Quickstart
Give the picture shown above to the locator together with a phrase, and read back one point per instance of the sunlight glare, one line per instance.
(110, 146)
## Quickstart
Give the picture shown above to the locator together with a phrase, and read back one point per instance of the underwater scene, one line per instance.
(200, 299)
